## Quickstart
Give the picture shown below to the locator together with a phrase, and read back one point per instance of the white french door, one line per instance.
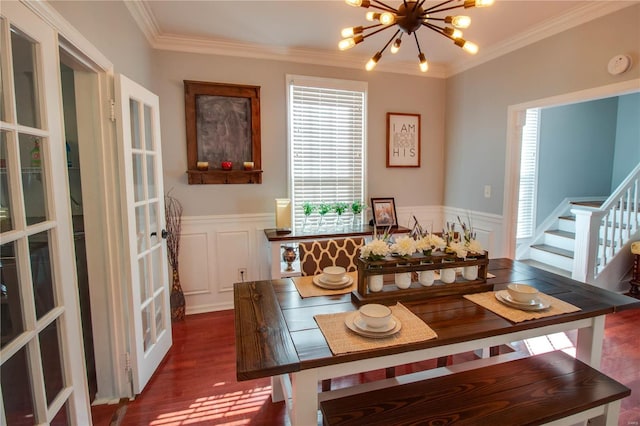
(42, 370)
(144, 216)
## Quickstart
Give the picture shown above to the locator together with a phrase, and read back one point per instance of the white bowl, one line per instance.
(375, 315)
(522, 292)
(333, 274)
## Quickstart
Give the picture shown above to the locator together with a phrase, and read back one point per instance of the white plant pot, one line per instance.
(403, 280)
(470, 272)
(375, 283)
(448, 275)
(426, 278)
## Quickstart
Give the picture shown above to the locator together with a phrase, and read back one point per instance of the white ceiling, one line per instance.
(309, 30)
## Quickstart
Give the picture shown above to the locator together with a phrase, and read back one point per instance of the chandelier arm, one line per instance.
(389, 42)
(415, 36)
(386, 27)
(389, 8)
(438, 30)
(436, 5)
(433, 9)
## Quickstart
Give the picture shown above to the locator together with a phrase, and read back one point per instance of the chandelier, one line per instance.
(409, 17)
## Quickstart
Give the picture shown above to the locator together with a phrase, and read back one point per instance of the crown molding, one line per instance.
(147, 23)
(549, 28)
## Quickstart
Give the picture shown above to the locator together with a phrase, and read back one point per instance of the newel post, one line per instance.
(585, 250)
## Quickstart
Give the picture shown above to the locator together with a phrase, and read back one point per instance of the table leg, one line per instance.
(277, 393)
(589, 344)
(304, 398)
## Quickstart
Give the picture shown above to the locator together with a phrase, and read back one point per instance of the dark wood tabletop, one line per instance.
(276, 332)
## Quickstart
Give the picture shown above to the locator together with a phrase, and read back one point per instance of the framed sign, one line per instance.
(384, 212)
(223, 126)
(403, 140)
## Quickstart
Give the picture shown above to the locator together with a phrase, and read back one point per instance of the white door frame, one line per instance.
(109, 317)
(514, 136)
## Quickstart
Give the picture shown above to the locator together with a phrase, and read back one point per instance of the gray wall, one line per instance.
(627, 151)
(386, 93)
(108, 25)
(477, 99)
(575, 152)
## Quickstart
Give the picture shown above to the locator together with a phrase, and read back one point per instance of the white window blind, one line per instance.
(528, 175)
(326, 142)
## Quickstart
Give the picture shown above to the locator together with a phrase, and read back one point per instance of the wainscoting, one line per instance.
(215, 249)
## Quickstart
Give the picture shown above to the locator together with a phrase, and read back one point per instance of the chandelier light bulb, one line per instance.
(484, 3)
(467, 46)
(424, 66)
(387, 18)
(372, 16)
(453, 33)
(373, 61)
(395, 47)
(348, 43)
(351, 31)
(357, 3)
(461, 21)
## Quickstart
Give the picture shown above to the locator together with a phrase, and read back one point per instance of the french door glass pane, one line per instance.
(43, 290)
(153, 222)
(11, 308)
(16, 389)
(6, 212)
(62, 418)
(31, 163)
(146, 327)
(148, 132)
(51, 363)
(138, 183)
(141, 228)
(156, 258)
(142, 271)
(24, 75)
(159, 320)
(135, 124)
(3, 93)
(151, 176)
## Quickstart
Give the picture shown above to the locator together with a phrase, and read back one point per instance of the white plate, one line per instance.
(359, 322)
(346, 282)
(504, 297)
(351, 325)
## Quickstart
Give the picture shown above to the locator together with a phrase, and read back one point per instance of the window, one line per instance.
(528, 175)
(326, 141)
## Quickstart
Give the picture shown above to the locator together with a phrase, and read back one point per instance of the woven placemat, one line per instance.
(488, 300)
(307, 288)
(341, 340)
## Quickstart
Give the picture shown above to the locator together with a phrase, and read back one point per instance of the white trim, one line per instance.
(512, 157)
(53, 18)
(147, 23)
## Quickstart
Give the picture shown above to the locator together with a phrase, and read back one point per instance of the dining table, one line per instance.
(278, 333)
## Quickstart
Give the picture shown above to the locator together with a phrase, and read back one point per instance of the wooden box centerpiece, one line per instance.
(438, 261)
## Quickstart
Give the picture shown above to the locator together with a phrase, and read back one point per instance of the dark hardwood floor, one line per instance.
(196, 382)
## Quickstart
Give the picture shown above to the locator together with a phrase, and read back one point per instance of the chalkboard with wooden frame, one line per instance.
(222, 125)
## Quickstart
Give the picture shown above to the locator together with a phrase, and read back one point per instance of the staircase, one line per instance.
(589, 240)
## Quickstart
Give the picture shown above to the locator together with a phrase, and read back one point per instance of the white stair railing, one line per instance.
(602, 232)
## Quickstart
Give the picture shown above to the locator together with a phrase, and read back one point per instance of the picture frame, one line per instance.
(384, 212)
(222, 126)
(403, 139)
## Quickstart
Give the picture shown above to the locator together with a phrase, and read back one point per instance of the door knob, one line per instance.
(164, 234)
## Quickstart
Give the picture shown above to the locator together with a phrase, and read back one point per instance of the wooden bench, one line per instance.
(548, 388)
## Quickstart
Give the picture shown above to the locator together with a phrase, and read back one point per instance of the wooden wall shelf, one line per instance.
(197, 177)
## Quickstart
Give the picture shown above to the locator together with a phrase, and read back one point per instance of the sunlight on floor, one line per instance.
(551, 342)
(229, 409)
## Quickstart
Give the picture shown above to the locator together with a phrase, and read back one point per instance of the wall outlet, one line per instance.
(487, 191)
(242, 274)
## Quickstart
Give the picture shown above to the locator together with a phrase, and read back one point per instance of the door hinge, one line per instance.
(126, 361)
(112, 110)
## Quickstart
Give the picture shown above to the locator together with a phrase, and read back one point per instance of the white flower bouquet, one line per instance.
(404, 246)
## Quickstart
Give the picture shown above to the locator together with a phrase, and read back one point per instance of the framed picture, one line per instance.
(384, 212)
(403, 140)
(223, 124)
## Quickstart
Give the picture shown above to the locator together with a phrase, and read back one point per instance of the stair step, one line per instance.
(561, 233)
(568, 217)
(594, 204)
(554, 250)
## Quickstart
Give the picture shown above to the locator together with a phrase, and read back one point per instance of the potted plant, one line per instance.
(173, 214)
